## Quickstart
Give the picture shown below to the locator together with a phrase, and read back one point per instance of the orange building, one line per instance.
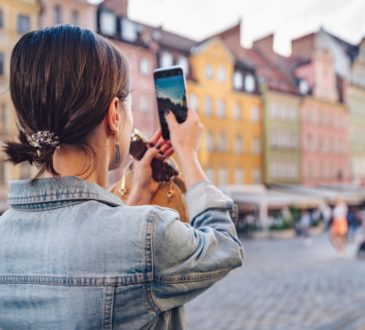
(224, 91)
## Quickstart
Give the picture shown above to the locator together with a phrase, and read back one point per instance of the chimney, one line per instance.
(265, 44)
(118, 7)
(232, 36)
(303, 46)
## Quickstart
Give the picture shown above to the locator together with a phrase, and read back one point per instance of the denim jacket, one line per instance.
(73, 256)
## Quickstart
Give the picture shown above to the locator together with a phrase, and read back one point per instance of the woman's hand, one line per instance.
(143, 185)
(185, 139)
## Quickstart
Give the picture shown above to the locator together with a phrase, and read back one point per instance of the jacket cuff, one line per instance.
(204, 195)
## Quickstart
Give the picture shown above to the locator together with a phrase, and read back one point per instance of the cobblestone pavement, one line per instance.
(286, 284)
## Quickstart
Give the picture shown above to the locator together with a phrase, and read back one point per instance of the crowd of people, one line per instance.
(344, 224)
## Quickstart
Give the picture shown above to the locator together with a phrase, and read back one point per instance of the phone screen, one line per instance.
(171, 95)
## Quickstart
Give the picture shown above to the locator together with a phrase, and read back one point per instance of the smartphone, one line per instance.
(171, 95)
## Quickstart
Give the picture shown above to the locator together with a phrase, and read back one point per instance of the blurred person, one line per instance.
(352, 224)
(326, 213)
(73, 256)
(305, 223)
(339, 228)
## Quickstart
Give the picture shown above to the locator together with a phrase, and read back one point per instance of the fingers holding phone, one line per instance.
(185, 137)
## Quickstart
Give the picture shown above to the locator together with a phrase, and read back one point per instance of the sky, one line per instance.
(288, 19)
(171, 87)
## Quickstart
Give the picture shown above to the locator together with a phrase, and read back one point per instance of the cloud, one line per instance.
(287, 18)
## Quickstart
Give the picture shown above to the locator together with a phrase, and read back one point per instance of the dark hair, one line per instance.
(62, 80)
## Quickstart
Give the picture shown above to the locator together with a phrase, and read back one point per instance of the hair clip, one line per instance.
(43, 138)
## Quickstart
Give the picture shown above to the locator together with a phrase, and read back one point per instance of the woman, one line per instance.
(338, 229)
(72, 255)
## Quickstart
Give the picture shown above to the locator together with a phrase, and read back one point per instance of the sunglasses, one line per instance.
(162, 170)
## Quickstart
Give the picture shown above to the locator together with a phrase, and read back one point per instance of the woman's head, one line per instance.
(63, 81)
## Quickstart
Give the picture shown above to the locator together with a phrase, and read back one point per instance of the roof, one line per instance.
(170, 39)
(265, 68)
(270, 72)
(232, 31)
(350, 49)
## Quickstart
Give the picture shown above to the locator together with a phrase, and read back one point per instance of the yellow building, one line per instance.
(224, 91)
(16, 18)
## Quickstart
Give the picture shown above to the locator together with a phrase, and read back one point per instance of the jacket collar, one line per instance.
(47, 193)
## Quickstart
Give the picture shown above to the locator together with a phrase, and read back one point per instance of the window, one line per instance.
(1, 19)
(23, 24)
(331, 171)
(144, 104)
(193, 101)
(221, 74)
(293, 114)
(310, 173)
(330, 145)
(223, 176)
(255, 114)
(208, 71)
(256, 146)
(208, 106)
(166, 59)
(309, 141)
(250, 84)
(2, 172)
(236, 111)
(303, 87)
(273, 110)
(210, 141)
(281, 111)
(184, 63)
(238, 144)
(144, 66)
(129, 30)
(256, 176)
(238, 176)
(221, 109)
(321, 170)
(3, 116)
(308, 116)
(237, 80)
(2, 64)
(57, 14)
(107, 23)
(222, 142)
(75, 17)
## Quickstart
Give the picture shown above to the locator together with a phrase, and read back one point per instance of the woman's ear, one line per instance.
(113, 118)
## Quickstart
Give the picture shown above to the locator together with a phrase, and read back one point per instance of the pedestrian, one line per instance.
(305, 223)
(338, 229)
(352, 224)
(73, 256)
(326, 213)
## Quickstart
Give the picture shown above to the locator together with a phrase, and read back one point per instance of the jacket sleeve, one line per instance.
(189, 258)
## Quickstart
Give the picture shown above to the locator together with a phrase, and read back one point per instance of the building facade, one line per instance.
(75, 12)
(356, 106)
(136, 43)
(16, 18)
(280, 99)
(225, 93)
(324, 121)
